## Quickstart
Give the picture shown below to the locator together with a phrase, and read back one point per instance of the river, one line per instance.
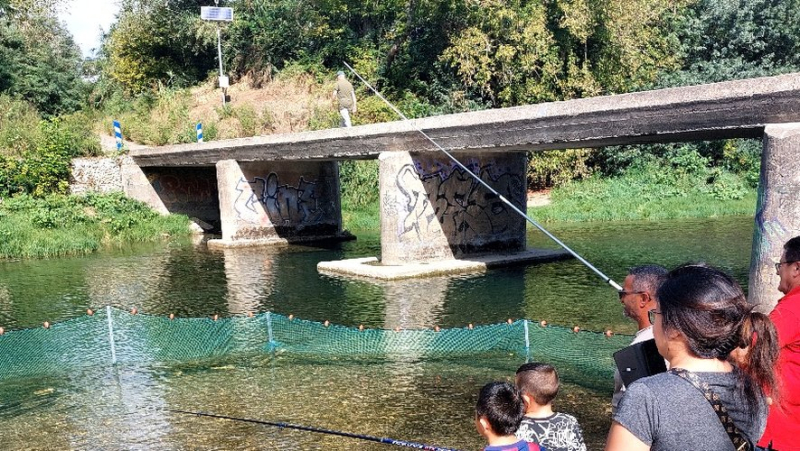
(429, 401)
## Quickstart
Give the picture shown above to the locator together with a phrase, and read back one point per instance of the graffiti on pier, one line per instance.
(464, 208)
(285, 205)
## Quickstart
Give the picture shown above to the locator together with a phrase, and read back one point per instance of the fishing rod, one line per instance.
(486, 185)
(388, 441)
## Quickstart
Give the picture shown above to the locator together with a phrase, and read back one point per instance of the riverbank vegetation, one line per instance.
(58, 225)
(156, 73)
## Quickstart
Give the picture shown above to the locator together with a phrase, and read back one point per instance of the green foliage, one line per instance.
(39, 60)
(527, 52)
(726, 40)
(359, 181)
(57, 225)
(43, 165)
(557, 167)
(649, 192)
(157, 118)
(18, 133)
(159, 42)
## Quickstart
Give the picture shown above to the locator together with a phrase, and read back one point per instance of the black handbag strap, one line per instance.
(736, 436)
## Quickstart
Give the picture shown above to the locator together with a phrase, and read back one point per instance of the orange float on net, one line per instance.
(249, 314)
(360, 327)
(2, 331)
(609, 332)
(510, 321)
(89, 312)
(469, 326)
(171, 316)
(46, 324)
(436, 328)
(543, 323)
(326, 323)
(291, 317)
(215, 317)
(397, 329)
(134, 311)
(576, 329)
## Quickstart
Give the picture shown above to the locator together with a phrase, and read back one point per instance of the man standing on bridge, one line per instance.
(346, 96)
(638, 296)
(783, 423)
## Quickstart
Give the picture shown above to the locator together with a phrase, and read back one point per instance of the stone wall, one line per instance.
(99, 175)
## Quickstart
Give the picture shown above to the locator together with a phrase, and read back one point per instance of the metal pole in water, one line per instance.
(486, 185)
(527, 342)
(111, 335)
(269, 331)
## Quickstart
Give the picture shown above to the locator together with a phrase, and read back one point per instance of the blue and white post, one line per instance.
(118, 135)
(199, 132)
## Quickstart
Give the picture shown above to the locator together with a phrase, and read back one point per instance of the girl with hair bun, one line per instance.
(701, 318)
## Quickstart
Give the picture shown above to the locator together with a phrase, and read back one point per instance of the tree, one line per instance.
(726, 40)
(154, 41)
(516, 52)
(39, 61)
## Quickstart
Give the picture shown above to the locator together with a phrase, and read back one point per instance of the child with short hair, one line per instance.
(497, 415)
(538, 383)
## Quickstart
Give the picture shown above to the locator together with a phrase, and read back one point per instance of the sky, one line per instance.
(85, 18)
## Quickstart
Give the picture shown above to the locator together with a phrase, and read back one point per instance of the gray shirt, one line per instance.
(668, 413)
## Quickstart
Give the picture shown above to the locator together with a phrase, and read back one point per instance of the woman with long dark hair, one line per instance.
(709, 399)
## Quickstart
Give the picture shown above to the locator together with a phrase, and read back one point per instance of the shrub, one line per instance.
(557, 167)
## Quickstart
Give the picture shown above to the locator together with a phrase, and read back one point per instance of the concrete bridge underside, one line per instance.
(420, 187)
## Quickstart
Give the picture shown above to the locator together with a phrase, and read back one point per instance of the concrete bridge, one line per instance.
(285, 188)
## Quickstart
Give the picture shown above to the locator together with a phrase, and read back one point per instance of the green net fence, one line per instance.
(117, 337)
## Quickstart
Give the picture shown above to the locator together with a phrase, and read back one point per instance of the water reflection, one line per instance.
(431, 402)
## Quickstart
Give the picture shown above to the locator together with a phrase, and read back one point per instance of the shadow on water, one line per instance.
(427, 401)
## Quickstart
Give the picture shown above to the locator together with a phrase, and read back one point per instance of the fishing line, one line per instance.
(492, 190)
(388, 441)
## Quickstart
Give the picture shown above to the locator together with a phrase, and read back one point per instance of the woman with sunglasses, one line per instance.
(701, 317)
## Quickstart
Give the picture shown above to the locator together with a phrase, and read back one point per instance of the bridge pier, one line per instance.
(432, 210)
(278, 202)
(777, 212)
(437, 219)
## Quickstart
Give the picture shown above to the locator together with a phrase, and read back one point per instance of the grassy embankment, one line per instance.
(59, 225)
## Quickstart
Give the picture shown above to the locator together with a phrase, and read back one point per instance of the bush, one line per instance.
(557, 167)
(56, 225)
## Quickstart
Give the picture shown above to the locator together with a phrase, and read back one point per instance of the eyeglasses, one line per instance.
(651, 315)
(623, 293)
(778, 265)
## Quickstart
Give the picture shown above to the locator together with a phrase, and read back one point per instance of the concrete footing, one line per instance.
(371, 267)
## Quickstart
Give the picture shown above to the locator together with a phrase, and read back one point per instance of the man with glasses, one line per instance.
(783, 424)
(638, 296)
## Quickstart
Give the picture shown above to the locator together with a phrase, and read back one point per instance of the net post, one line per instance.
(111, 335)
(527, 342)
(269, 331)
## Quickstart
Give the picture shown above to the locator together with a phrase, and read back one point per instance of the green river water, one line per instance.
(127, 407)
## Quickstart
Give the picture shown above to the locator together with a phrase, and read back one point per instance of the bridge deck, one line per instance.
(734, 109)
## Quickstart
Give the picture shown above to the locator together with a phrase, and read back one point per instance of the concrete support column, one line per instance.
(777, 212)
(263, 202)
(432, 210)
(136, 185)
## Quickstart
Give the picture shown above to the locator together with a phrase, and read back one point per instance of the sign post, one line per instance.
(217, 14)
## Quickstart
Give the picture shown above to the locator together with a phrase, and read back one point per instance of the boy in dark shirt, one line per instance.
(497, 415)
(538, 383)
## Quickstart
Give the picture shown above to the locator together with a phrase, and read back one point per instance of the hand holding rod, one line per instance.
(492, 190)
